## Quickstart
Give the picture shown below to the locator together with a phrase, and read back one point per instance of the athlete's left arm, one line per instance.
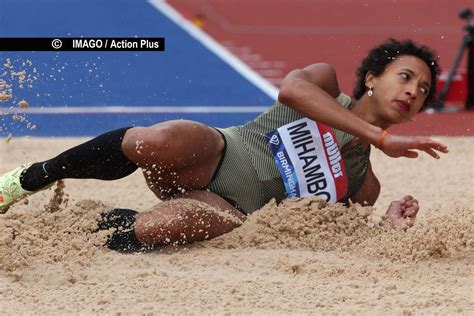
(370, 189)
(402, 213)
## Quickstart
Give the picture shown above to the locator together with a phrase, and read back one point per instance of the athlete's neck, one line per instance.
(366, 109)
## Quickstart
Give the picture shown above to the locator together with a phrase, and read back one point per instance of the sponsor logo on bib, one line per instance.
(274, 140)
(308, 159)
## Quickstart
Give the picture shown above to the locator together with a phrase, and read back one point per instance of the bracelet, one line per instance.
(379, 142)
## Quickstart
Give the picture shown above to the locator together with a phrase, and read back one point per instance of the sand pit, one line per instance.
(301, 257)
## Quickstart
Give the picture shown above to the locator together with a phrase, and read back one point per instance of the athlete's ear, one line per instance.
(370, 79)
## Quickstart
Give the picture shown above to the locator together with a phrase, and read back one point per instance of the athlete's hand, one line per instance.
(404, 146)
(402, 214)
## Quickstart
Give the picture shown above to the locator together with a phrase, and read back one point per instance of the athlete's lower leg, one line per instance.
(100, 158)
(194, 216)
(198, 216)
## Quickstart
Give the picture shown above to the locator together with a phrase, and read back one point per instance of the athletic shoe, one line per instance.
(10, 188)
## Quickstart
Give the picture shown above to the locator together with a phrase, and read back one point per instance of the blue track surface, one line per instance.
(186, 74)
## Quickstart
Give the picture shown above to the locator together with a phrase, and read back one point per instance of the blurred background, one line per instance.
(223, 62)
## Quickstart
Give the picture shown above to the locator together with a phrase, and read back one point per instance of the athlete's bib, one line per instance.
(309, 160)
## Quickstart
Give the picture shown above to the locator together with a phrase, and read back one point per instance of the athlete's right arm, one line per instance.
(312, 91)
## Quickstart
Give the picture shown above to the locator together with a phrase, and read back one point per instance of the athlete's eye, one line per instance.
(405, 76)
(424, 90)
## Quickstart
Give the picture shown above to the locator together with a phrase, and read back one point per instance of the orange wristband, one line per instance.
(379, 143)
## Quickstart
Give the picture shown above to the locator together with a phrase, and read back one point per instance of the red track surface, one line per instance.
(275, 36)
(441, 124)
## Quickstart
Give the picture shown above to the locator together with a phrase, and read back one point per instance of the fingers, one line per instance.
(436, 145)
(429, 146)
(411, 212)
(431, 152)
(407, 146)
(408, 201)
(440, 147)
(402, 213)
(409, 207)
(409, 222)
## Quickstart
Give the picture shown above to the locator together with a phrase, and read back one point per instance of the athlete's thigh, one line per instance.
(175, 154)
(177, 143)
(191, 143)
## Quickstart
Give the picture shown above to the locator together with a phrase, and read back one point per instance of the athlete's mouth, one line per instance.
(404, 105)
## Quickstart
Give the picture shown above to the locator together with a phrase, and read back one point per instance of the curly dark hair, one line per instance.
(381, 56)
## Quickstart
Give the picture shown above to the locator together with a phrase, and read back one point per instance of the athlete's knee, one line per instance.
(142, 144)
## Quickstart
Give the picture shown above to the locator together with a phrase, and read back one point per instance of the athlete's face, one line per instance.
(401, 90)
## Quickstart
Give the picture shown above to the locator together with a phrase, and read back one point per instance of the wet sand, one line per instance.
(300, 257)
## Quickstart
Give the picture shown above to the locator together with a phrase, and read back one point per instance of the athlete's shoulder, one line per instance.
(322, 75)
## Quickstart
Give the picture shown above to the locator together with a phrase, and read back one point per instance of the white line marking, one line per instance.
(138, 109)
(211, 44)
